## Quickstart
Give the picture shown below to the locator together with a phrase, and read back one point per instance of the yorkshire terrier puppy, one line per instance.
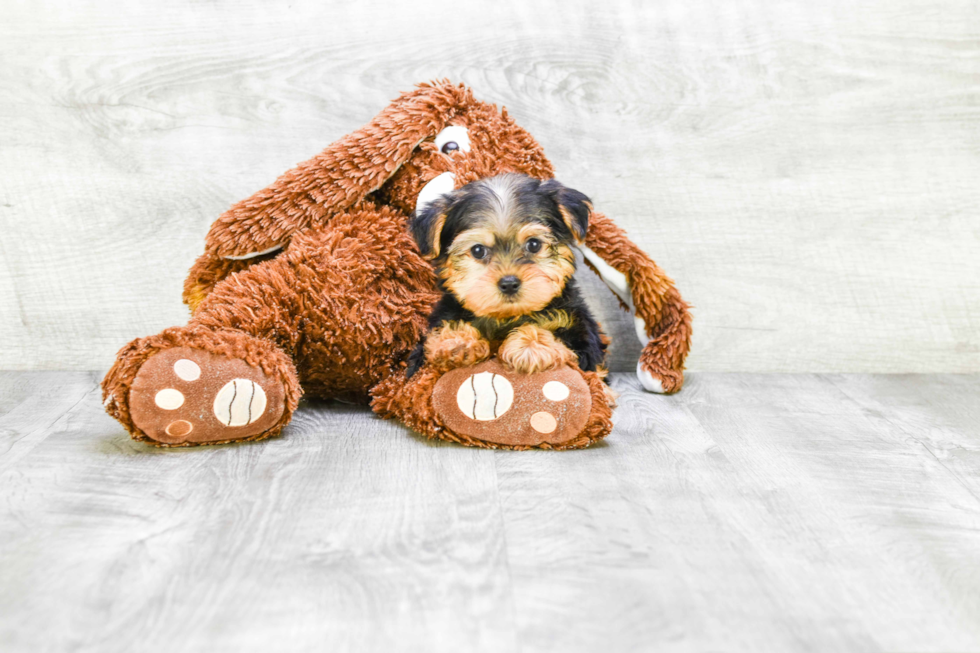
(502, 248)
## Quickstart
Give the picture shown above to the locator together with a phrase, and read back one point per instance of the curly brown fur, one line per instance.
(342, 303)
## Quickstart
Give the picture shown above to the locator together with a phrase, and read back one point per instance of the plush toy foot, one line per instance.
(185, 395)
(490, 405)
(190, 386)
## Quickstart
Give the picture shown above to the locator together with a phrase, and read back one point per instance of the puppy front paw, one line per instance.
(530, 349)
(457, 344)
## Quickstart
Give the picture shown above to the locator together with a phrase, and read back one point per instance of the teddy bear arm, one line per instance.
(663, 317)
(208, 271)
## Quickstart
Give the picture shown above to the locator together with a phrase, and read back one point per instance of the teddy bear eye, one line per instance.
(479, 252)
(454, 138)
(533, 245)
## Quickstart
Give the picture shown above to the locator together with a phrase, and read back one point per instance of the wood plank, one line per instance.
(32, 405)
(939, 412)
(805, 170)
(347, 534)
(859, 525)
(750, 512)
(747, 513)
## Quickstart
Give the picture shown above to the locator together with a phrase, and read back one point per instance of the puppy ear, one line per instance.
(574, 207)
(427, 228)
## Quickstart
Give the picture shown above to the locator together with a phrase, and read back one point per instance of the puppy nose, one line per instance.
(509, 284)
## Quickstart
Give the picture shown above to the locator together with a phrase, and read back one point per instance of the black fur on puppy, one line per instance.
(503, 250)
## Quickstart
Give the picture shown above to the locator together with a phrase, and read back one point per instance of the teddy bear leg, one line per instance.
(196, 385)
(490, 405)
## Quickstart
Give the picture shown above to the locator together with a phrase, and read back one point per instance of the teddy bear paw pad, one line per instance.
(191, 396)
(488, 402)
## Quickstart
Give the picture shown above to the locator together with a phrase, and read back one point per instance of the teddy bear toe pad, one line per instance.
(191, 396)
(493, 404)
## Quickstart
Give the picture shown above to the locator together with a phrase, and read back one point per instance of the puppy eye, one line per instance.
(453, 138)
(479, 252)
(533, 245)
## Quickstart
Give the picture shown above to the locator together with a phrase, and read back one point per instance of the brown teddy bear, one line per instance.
(315, 285)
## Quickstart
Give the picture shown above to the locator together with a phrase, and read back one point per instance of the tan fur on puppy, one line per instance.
(475, 283)
(530, 349)
(457, 344)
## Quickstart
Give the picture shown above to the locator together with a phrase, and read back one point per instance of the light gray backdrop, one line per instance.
(808, 172)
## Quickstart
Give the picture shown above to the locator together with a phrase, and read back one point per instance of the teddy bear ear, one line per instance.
(337, 178)
(573, 206)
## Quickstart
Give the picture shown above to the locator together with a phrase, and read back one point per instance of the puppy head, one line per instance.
(503, 246)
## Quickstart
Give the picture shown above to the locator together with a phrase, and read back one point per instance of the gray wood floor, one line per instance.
(751, 512)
